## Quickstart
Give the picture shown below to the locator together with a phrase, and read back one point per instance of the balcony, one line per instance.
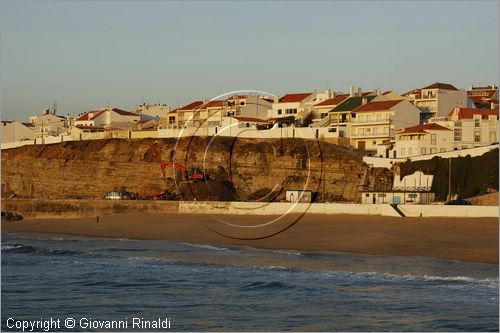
(357, 122)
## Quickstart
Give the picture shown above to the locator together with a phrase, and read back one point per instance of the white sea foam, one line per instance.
(204, 246)
(7, 247)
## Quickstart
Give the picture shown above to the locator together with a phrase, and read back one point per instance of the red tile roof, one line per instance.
(251, 120)
(377, 106)
(481, 93)
(193, 106)
(424, 128)
(237, 97)
(412, 92)
(333, 101)
(123, 112)
(438, 85)
(86, 116)
(213, 104)
(291, 98)
(468, 113)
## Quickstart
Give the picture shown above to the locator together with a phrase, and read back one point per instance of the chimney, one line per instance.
(364, 100)
(351, 91)
(359, 91)
(334, 94)
(328, 94)
(471, 87)
(276, 99)
(378, 91)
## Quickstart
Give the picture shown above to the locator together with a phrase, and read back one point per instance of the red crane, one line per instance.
(193, 174)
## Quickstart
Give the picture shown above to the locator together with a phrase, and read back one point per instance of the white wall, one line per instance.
(281, 208)
(380, 162)
(15, 131)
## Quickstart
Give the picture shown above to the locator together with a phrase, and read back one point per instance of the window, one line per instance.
(402, 152)
(375, 130)
(374, 142)
(423, 151)
(442, 150)
(242, 103)
(433, 139)
(367, 195)
(457, 134)
(379, 117)
(477, 136)
(279, 111)
(493, 137)
(361, 119)
(410, 151)
(368, 118)
(433, 150)
(386, 130)
(412, 195)
(477, 121)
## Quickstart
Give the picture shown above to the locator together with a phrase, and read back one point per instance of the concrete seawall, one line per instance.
(71, 208)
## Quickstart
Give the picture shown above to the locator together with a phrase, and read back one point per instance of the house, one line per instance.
(13, 131)
(472, 127)
(412, 189)
(321, 110)
(292, 105)
(157, 111)
(437, 100)
(298, 195)
(339, 118)
(424, 139)
(188, 115)
(298, 105)
(372, 123)
(484, 97)
(108, 118)
(48, 124)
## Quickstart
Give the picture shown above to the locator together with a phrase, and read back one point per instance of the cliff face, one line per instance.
(239, 169)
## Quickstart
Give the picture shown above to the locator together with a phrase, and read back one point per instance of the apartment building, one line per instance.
(484, 97)
(472, 127)
(374, 122)
(437, 100)
(423, 139)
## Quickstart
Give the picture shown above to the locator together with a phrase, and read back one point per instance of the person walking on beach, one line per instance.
(97, 219)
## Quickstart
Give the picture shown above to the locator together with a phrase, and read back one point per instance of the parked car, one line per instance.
(458, 202)
(112, 196)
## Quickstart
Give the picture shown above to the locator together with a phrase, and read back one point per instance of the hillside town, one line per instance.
(388, 126)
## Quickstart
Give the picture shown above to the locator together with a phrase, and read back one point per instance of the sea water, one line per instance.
(205, 287)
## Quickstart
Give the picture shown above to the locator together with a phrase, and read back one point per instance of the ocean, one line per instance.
(203, 287)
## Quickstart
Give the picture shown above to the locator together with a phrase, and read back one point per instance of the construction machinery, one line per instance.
(192, 174)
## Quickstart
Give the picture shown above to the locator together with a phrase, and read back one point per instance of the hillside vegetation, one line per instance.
(470, 176)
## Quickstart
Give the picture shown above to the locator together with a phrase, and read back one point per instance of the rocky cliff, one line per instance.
(239, 169)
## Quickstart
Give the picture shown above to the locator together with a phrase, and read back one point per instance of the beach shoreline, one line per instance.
(464, 239)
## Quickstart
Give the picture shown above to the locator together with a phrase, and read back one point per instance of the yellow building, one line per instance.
(373, 123)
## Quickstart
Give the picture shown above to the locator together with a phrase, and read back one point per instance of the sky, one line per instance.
(90, 54)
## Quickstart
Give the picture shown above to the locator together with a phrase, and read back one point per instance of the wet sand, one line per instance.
(465, 239)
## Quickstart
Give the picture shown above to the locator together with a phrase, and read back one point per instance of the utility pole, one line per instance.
(449, 178)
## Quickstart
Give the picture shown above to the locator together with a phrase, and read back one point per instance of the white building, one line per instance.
(438, 99)
(13, 131)
(298, 105)
(411, 189)
(421, 140)
(108, 118)
(472, 127)
(298, 195)
(374, 122)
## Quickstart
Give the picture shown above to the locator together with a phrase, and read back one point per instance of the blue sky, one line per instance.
(85, 54)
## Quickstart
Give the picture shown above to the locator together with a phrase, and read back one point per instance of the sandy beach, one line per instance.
(465, 239)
